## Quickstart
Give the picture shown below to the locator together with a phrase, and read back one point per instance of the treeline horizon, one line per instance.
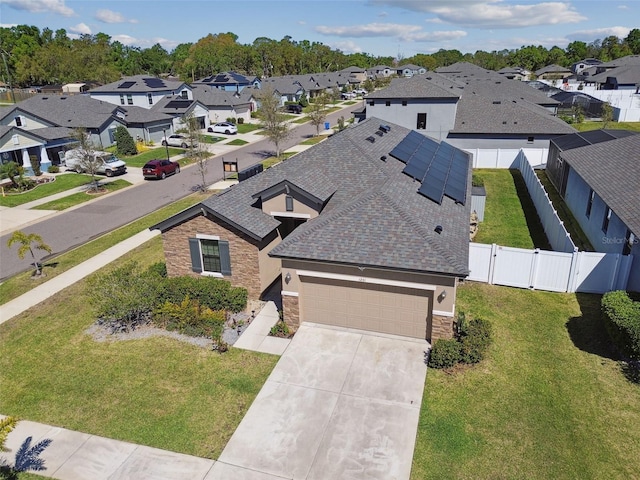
(35, 57)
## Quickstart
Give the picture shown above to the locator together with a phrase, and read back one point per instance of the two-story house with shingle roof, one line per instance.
(228, 81)
(140, 91)
(358, 231)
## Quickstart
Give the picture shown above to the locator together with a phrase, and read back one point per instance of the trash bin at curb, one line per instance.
(326, 125)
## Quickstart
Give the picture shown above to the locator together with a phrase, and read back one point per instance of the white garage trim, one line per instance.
(442, 314)
(289, 294)
(290, 214)
(375, 281)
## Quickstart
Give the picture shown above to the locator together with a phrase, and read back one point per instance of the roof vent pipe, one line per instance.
(438, 229)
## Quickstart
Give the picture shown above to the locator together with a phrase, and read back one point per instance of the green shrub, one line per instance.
(621, 317)
(445, 353)
(125, 297)
(474, 340)
(231, 120)
(280, 329)
(240, 120)
(190, 318)
(124, 142)
(159, 268)
(215, 293)
(53, 169)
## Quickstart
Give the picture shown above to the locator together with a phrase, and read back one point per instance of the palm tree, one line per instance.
(25, 241)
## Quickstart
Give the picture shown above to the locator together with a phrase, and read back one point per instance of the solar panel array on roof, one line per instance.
(126, 84)
(220, 79)
(582, 139)
(441, 168)
(154, 82)
(178, 104)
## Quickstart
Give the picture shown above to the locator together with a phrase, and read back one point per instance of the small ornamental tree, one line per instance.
(317, 112)
(124, 142)
(88, 162)
(274, 121)
(607, 115)
(25, 241)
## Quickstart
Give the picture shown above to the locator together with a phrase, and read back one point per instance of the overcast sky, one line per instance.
(378, 27)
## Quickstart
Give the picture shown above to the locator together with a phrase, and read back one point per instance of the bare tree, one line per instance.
(607, 114)
(88, 161)
(197, 148)
(273, 120)
(317, 112)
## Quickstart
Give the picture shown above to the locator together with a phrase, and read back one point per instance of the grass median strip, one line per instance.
(156, 391)
(550, 401)
(22, 283)
(81, 197)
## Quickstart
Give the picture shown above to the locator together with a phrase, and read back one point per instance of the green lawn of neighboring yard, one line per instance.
(237, 141)
(313, 140)
(510, 218)
(211, 139)
(158, 392)
(580, 240)
(22, 283)
(586, 126)
(161, 152)
(81, 197)
(248, 127)
(549, 402)
(62, 183)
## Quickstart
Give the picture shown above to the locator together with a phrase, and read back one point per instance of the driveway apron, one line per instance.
(340, 403)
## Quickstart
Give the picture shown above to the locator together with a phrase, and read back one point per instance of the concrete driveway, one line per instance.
(339, 404)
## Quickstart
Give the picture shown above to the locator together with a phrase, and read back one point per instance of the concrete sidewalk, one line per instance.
(71, 276)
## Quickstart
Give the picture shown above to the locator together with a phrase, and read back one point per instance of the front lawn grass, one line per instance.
(210, 139)
(586, 126)
(313, 140)
(141, 158)
(22, 282)
(510, 218)
(248, 127)
(237, 141)
(550, 401)
(81, 197)
(62, 183)
(158, 391)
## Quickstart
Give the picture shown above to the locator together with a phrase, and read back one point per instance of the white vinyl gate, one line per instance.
(587, 272)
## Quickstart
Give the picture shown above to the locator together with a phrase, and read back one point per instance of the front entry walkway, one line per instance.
(340, 403)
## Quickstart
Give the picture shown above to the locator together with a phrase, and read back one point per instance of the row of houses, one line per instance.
(370, 228)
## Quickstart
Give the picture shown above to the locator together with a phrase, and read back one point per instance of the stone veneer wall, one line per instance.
(291, 308)
(441, 327)
(243, 250)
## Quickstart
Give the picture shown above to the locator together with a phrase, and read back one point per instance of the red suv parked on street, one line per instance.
(160, 168)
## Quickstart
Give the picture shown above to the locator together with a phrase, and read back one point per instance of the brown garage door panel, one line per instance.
(366, 306)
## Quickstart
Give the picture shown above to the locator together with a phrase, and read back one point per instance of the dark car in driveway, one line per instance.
(293, 108)
(160, 168)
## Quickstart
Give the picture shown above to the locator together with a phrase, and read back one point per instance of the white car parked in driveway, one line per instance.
(223, 127)
(178, 140)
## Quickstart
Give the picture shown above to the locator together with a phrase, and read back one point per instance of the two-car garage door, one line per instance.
(366, 306)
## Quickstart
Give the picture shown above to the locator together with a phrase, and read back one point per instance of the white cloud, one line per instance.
(81, 28)
(346, 47)
(301, 22)
(145, 42)
(442, 36)
(8, 25)
(623, 7)
(369, 30)
(41, 6)
(383, 14)
(590, 35)
(109, 16)
(492, 13)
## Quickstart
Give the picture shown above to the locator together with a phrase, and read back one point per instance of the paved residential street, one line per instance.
(73, 228)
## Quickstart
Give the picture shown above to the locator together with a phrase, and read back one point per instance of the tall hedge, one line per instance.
(215, 293)
(124, 142)
(621, 317)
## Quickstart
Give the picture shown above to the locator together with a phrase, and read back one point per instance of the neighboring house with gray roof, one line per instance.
(228, 81)
(140, 91)
(223, 104)
(409, 69)
(288, 88)
(600, 187)
(620, 78)
(342, 232)
(380, 71)
(552, 72)
(515, 73)
(477, 110)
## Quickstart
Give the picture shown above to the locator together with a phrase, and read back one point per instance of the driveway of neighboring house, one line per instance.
(340, 403)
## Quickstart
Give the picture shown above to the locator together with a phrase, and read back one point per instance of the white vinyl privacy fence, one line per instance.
(553, 227)
(586, 272)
